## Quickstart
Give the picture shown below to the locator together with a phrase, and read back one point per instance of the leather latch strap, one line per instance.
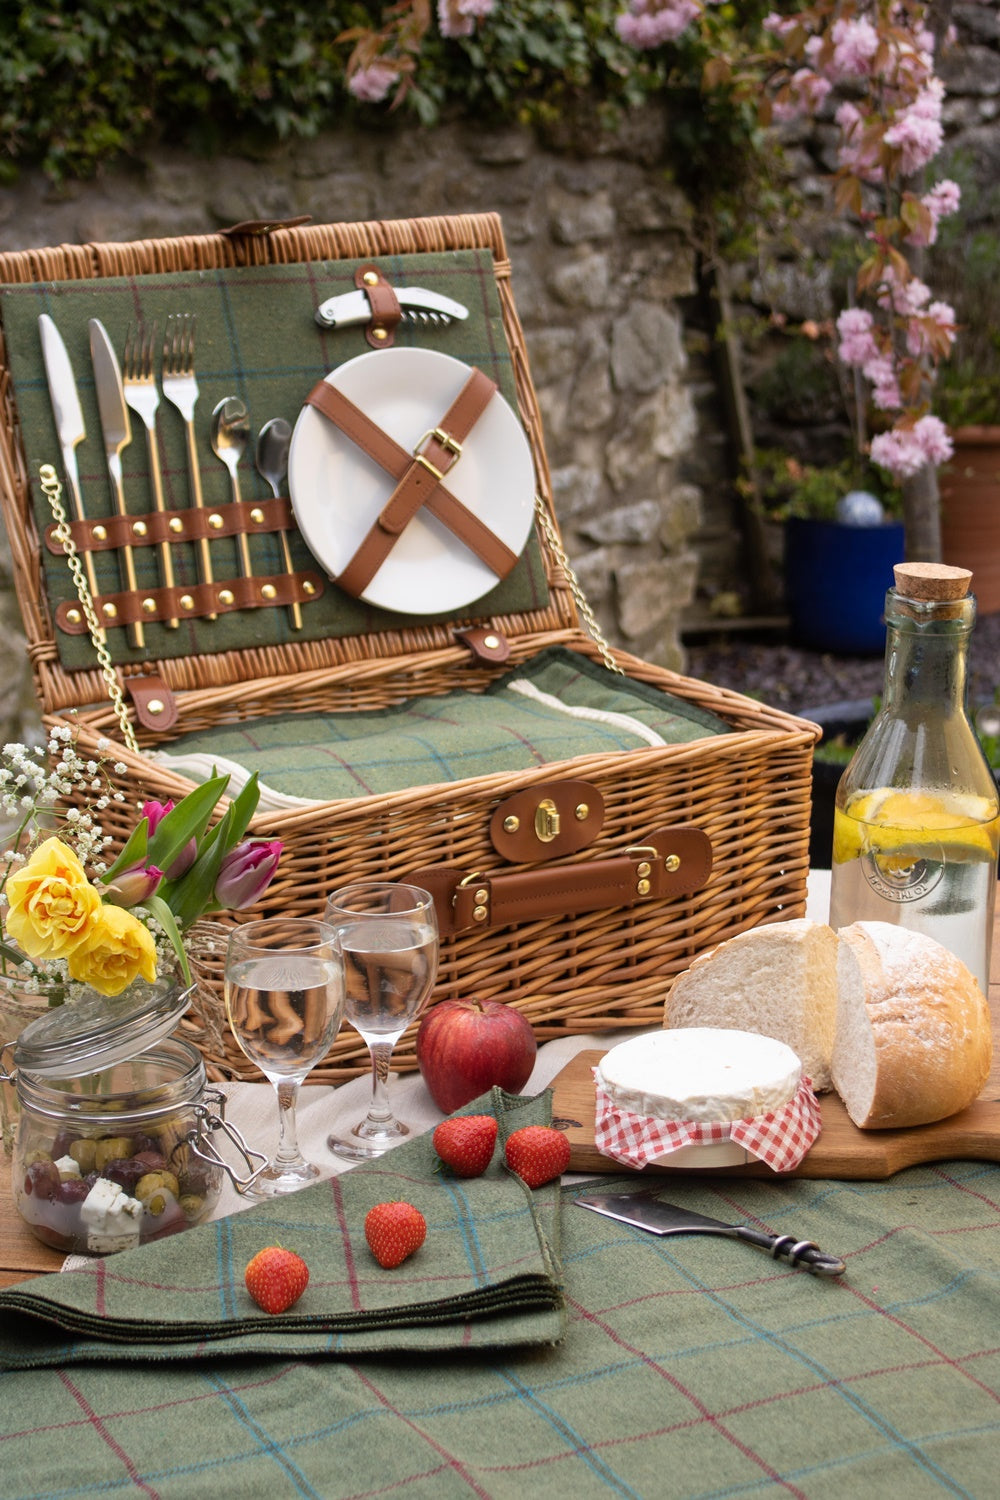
(386, 311)
(671, 862)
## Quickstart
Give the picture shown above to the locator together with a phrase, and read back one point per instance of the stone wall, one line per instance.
(601, 259)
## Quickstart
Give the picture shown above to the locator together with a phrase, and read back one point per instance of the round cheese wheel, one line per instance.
(704, 1074)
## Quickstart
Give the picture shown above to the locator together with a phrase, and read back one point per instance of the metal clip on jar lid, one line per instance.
(97, 1031)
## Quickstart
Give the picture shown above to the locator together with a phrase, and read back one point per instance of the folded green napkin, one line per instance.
(487, 1276)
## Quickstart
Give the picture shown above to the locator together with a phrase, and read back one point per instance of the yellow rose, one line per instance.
(53, 905)
(117, 949)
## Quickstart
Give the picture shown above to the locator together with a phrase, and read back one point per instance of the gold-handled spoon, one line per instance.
(230, 435)
(272, 464)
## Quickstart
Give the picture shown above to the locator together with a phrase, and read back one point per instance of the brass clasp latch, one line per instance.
(546, 821)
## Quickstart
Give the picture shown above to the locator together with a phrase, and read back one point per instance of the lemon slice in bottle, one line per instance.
(910, 823)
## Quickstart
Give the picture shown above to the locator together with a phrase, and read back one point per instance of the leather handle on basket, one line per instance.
(671, 862)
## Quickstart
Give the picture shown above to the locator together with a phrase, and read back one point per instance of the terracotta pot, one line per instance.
(970, 511)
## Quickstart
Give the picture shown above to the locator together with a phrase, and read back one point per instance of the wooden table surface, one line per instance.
(22, 1256)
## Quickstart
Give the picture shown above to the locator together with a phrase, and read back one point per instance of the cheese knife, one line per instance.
(117, 431)
(647, 1211)
(69, 421)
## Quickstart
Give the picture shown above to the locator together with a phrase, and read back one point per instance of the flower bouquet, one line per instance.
(68, 920)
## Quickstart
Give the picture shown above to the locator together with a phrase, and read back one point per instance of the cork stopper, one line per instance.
(936, 582)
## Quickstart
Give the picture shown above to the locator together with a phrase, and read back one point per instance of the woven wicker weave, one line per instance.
(749, 790)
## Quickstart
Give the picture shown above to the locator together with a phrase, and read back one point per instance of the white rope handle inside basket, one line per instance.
(53, 492)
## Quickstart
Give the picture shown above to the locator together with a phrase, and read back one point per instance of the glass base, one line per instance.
(275, 1180)
(367, 1141)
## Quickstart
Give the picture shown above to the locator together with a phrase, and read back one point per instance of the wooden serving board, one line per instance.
(842, 1150)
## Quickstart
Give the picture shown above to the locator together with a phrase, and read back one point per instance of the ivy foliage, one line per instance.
(85, 82)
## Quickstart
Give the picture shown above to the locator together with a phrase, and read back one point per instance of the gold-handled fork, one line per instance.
(181, 389)
(139, 386)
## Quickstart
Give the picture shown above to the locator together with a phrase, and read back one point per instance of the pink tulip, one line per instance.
(154, 813)
(246, 873)
(132, 887)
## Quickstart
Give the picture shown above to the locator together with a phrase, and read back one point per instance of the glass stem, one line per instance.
(288, 1153)
(379, 1112)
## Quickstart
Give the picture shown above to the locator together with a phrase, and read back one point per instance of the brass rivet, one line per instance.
(511, 824)
(308, 587)
(479, 913)
(215, 521)
(100, 533)
(74, 616)
(644, 868)
(491, 642)
(581, 811)
(154, 706)
(139, 528)
(643, 887)
(187, 602)
(481, 897)
(672, 862)
(175, 523)
(149, 606)
(269, 591)
(370, 278)
(109, 612)
(380, 334)
(257, 516)
(226, 596)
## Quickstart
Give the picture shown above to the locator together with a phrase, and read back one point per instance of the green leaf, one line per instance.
(161, 911)
(134, 852)
(189, 819)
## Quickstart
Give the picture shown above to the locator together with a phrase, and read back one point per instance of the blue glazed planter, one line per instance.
(836, 578)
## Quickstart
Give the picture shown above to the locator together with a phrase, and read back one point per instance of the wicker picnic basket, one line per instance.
(568, 967)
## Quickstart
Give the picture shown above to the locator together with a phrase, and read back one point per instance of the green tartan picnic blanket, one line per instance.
(554, 708)
(256, 338)
(692, 1369)
(489, 1275)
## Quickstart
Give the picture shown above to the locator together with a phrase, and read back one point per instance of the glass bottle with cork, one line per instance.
(917, 818)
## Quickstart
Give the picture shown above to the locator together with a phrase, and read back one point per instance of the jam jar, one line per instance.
(114, 1141)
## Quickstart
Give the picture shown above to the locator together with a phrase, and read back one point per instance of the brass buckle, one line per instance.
(452, 445)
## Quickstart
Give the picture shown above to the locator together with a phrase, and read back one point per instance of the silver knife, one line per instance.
(647, 1211)
(117, 431)
(69, 421)
(418, 305)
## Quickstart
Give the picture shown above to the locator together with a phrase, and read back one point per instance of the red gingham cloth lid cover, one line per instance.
(780, 1137)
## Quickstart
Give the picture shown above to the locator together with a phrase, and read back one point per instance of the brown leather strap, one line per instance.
(105, 533)
(669, 863)
(484, 641)
(155, 704)
(200, 600)
(418, 484)
(386, 311)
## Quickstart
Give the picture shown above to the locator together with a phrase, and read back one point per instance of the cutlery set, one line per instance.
(132, 387)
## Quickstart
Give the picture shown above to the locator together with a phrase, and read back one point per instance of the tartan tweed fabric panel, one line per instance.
(255, 338)
(489, 1273)
(692, 1367)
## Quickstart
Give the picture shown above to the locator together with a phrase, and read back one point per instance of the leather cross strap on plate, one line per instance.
(418, 478)
(671, 862)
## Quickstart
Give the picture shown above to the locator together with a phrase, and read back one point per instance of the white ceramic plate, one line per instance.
(337, 491)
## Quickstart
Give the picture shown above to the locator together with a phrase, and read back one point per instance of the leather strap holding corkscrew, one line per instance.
(671, 862)
(418, 476)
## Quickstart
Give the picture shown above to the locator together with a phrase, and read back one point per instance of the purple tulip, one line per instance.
(133, 886)
(246, 873)
(154, 813)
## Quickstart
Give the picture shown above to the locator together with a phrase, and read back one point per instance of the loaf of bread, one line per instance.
(888, 1017)
(913, 1041)
(779, 980)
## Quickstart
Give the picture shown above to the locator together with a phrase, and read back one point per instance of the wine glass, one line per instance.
(285, 1002)
(389, 941)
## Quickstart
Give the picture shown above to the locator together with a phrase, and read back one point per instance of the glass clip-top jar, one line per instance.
(114, 1142)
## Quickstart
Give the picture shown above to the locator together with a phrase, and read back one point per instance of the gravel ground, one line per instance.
(795, 680)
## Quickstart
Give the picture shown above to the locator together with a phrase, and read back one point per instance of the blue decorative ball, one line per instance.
(859, 508)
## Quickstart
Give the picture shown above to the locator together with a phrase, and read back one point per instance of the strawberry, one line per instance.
(276, 1278)
(465, 1143)
(394, 1231)
(537, 1153)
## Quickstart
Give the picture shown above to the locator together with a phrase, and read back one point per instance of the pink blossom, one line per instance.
(855, 43)
(648, 23)
(881, 371)
(458, 17)
(937, 321)
(917, 133)
(857, 343)
(934, 439)
(371, 84)
(807, 93)
(904, 451)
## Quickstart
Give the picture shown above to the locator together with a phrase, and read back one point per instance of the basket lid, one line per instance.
(98, 1031)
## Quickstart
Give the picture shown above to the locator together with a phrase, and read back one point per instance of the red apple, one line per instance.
(465, 1047)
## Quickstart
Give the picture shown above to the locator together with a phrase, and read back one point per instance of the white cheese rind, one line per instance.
(703, 1074)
